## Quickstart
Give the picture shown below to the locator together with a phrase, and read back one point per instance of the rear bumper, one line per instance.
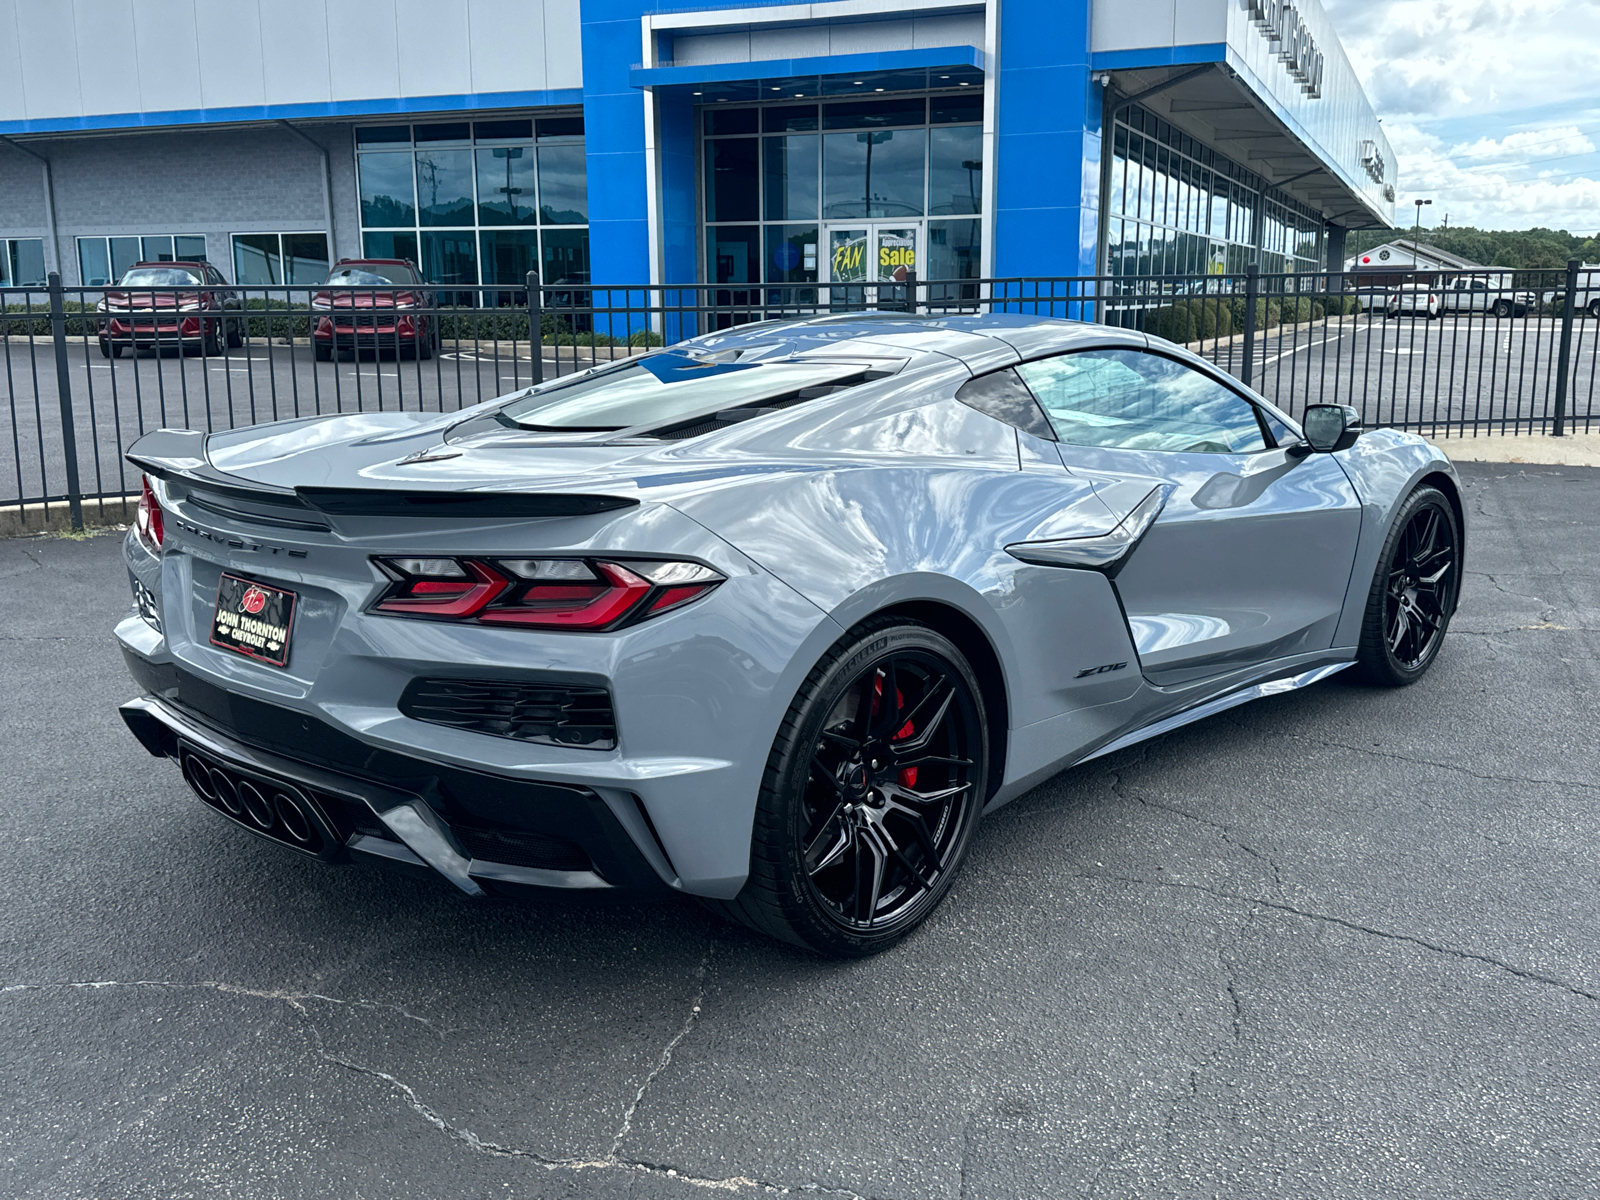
(396, 810)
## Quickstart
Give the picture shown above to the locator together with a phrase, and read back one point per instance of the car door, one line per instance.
(1250, 558)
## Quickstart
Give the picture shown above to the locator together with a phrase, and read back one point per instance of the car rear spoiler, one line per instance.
(179, 456)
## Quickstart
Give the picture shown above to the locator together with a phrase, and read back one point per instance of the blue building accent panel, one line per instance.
(614, 139)
(1160, 56)
(476, 101)
(1047, 169)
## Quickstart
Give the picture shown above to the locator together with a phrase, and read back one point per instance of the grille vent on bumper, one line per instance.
(552, 714)
(520, 849)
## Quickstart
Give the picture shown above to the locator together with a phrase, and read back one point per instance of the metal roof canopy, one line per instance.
(1216, 107)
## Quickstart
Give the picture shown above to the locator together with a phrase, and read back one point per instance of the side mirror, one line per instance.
(1331, 427)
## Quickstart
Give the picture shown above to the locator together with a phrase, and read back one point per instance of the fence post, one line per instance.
(69, 433)
(1563, 365)
(536, 326)
(1252, 291)
(911, 291)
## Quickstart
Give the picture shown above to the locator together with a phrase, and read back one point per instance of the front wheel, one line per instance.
(1414, 592)
(1594, 309)
(871, 793)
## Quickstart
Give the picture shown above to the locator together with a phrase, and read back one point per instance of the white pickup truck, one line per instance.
(1588, 290)
(1486, 294)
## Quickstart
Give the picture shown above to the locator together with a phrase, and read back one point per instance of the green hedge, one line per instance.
(1191, 320)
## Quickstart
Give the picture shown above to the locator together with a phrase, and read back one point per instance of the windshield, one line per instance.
(376, 275)
(666, 386)
(161, 277)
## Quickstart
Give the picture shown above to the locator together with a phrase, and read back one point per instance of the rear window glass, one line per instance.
(665, 387)
(373, 276)
(161, 277)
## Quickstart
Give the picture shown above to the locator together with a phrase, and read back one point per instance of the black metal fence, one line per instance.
(89, 370)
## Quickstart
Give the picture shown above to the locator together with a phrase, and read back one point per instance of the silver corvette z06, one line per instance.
(771, 617)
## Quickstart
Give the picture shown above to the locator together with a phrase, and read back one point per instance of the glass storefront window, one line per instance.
(732, 180)
(22, 262)
(563, 185)
(387, 199)
(955, 169)
(1179, 207)
(508, 255)
(792, 253)
(506, 188)
(383, 244)
(449, 256)
(791, 183)
(874, 173)
(104, 260)
(566, 255)
(733, 254)
(954, 250)
(444, 187)
(265, 259)
(478, 202)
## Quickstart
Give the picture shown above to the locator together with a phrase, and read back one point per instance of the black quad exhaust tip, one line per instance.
(294, 819)
(199, 777)
(258, 802)
(256, 806)
(227, 793)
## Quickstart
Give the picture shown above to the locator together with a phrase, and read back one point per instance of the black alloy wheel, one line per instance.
(872, 792)
(1414, 592)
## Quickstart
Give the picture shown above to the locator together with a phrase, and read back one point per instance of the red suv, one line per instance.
(374, 302)
(174, 304)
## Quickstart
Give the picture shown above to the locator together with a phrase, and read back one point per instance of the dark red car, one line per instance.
(180, 304)
(374, 303)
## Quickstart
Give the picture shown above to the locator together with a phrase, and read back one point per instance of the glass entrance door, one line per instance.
(872, 253)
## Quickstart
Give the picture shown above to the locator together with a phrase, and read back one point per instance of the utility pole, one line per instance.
(1416, 238)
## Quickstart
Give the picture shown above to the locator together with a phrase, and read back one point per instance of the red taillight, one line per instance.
(148, 519)
(531, 593)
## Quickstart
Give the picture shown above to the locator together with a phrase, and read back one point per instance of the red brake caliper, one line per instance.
(908, 775)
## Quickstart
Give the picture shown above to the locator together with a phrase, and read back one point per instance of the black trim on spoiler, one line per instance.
(392, 502)
(179, 456)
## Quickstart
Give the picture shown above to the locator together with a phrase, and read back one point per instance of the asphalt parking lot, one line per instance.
(1341, 943)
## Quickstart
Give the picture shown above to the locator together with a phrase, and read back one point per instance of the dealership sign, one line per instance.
(1281, 22)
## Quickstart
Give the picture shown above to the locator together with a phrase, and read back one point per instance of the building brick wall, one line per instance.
(217, 182)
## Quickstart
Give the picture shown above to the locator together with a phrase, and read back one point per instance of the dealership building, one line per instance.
(630, 141)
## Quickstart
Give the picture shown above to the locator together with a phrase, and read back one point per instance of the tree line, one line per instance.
(1523, 249)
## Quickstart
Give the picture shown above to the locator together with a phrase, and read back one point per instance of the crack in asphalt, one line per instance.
(300, 1001)
(1353, 926)
(1223, 831)
(1444, 766)
(666, 1055)
(232, 989)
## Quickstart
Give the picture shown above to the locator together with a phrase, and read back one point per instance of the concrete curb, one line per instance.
(26, 519)
(1532, 449)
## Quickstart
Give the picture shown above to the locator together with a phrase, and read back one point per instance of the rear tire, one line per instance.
(1503, 309)
(858, 830)
(1594, 309)
(105, 348)
(235, 336)
(1414, 592)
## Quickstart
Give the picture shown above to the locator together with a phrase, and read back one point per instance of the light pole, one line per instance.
(1416, 237)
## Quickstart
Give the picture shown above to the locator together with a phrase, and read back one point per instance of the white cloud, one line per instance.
(1497, 196)
(1533, 145)
(1478, 64)
(1433, 58)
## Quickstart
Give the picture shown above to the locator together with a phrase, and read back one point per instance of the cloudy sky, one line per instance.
(1492, 106)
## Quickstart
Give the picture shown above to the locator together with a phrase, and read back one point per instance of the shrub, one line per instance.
(1191, 320)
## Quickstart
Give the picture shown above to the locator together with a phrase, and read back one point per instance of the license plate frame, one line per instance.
(253, 619)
